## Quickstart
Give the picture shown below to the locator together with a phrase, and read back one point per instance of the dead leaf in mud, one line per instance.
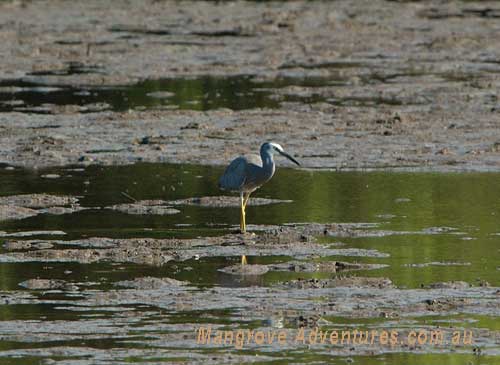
(305, 321)
(445, 304)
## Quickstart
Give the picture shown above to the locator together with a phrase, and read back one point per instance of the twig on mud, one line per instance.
(128, 196)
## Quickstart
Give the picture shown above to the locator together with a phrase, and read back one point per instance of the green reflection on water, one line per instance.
(411, 202)
(199, 93)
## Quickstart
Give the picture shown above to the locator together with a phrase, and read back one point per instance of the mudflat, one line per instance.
(342, 85)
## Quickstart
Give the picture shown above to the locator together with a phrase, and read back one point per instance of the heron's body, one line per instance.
(247, 173)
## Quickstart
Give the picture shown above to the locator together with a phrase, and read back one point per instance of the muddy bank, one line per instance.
(325, 144)
(28, 205)
(37, 200)
(333, 307)
(143, 298)
(299, 266)
(399, 85)
(16, 207)
(162, 207)
(298, 242)
(156, 207)
(224, 201)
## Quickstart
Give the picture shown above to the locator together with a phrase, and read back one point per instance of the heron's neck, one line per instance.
(267, 161)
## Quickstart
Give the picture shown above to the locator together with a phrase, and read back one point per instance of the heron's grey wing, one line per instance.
(255, 174)
(235, 175)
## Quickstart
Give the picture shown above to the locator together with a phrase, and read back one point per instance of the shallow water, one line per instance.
(434, 227)
(198, 93)
(464, 204)
(40, 91)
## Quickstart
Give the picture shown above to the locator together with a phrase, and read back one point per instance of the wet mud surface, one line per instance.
(156, 207)
(294, 244)
(224, 201)
(393, 85)
(28, 205)
(100, 285)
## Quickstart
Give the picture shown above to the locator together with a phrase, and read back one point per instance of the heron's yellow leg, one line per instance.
(245, 200)
(244, 220)
(243, 226)
(242, 215)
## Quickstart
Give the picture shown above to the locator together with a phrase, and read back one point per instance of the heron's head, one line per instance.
(271, 147)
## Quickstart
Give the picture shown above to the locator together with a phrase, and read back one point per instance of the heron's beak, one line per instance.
(289, 157)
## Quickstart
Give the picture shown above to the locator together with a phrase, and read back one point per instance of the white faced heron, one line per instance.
(245, 174)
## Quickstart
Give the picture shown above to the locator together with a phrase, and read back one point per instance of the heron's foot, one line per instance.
(243, 260)
(244, 233)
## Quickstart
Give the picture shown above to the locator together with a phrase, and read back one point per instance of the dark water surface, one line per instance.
(409, 208)
(198, 93)
(40, 91)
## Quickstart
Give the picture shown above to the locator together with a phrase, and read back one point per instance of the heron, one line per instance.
(247, 173)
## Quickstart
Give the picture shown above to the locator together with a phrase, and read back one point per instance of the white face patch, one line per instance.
(277, 146)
